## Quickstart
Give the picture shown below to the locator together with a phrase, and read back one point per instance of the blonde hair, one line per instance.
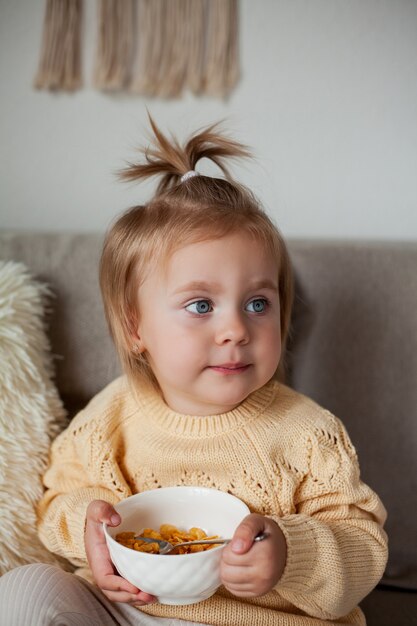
(199, 208)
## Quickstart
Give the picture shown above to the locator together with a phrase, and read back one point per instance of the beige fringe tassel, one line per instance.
(60, 63)
(115, 44)
(221, 71)
(186, 44)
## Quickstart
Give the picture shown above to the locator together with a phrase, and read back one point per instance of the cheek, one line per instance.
(271, 343)
(188, 354)
(271, 331)
(172, 349)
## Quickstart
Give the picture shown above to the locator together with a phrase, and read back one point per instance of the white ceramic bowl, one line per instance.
(175, 578)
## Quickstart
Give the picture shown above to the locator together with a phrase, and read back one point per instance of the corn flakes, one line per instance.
(167, 532)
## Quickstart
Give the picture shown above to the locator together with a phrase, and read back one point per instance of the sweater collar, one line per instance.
(159, 413)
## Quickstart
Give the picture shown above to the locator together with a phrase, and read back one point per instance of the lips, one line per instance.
(230, 368)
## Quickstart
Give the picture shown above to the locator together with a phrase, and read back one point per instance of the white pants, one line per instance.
(44, 595)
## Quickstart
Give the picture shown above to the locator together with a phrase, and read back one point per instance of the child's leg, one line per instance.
(44, 595)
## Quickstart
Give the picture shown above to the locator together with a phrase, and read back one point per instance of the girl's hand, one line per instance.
(251, 569)
(114, 587)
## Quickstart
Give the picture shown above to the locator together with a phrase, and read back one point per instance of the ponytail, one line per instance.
(167, 158)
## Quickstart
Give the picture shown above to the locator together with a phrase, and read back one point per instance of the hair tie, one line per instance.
(188, 175)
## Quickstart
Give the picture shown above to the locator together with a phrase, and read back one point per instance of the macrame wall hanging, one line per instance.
(156, 48)
(60, 58)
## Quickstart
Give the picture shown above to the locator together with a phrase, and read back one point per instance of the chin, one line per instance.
(230, 401)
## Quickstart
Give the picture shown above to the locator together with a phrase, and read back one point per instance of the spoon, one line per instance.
(165, 547)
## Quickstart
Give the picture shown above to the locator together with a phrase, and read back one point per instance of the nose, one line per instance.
(232, 328)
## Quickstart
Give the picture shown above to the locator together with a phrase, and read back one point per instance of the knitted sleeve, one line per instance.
(81, 469)
(337, 549)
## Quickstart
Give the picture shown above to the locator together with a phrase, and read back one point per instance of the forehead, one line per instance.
(235, 255)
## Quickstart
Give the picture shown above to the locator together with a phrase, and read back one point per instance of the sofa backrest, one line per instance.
(353, 348)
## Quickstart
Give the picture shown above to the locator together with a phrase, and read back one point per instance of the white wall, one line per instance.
(327, 100)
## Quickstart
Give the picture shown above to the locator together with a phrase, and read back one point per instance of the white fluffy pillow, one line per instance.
(31, 414)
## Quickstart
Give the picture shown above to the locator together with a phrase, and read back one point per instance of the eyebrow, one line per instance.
(200, 285)
(264, 284)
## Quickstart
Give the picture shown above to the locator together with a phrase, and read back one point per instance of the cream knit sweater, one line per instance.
(279, 452)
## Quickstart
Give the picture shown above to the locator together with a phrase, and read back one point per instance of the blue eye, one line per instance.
(257, 306)
(200, 307)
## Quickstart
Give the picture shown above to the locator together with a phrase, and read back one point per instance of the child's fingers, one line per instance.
(103, 569)
(238, 580)
(118, 589)
(243, 590)
(98, 556)
(121, 596)
(113, 583)
(235, 559)
(137, 599)
(95, 543)
(115, 588)
(99, 511)
(104, 573)
(235, 574)
(144, 598)
(256, 570)
(246, 532)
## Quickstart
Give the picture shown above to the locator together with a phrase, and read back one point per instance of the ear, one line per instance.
(136, 341)
(137, 345)
(135, 338)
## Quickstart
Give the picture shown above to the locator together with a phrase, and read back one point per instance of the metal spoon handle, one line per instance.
(199, 542)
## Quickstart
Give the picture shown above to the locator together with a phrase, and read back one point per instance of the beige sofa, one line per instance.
(353, 348)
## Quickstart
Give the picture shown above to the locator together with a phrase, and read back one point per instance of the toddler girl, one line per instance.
(197, 290)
